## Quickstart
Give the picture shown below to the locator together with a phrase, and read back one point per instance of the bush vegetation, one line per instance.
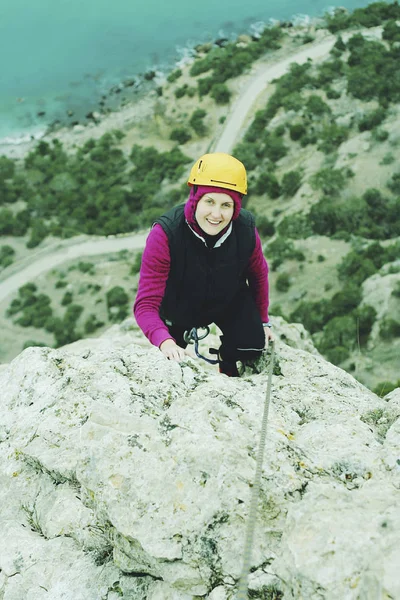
(95, 190)
(7, 254)
(196, 122)
(370, 16)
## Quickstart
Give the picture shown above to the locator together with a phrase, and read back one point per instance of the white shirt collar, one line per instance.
(219, 242)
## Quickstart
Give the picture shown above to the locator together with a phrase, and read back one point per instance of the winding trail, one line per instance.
(32, 266)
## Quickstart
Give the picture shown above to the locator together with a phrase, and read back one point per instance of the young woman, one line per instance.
(203, 264)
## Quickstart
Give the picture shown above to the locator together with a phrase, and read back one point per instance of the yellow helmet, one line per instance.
(220, 170)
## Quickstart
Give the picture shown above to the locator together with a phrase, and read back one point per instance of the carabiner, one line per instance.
(192, 337)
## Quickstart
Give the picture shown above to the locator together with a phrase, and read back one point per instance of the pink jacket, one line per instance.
(154, 275)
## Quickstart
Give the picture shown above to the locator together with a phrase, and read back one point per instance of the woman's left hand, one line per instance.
(268, 335)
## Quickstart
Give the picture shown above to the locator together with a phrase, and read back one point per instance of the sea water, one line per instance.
(59, 57)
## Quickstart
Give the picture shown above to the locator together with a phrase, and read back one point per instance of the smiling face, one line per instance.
(214, 211)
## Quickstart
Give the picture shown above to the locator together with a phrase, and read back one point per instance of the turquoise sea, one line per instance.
(62, 56)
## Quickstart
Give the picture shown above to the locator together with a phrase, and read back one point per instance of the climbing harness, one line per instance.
(252, 518)
(192, 337)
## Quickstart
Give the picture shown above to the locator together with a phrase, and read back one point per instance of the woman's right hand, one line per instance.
(172, 351)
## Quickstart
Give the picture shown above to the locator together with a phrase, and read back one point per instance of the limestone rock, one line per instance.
(124, 475)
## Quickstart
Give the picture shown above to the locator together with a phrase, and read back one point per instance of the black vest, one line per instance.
(203, 281)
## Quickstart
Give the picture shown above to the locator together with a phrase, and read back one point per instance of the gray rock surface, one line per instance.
(123, 475)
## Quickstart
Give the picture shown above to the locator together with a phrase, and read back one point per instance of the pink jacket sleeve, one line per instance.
(257, 276)
(154, 273)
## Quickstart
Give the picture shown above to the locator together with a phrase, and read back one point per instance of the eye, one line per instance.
(228, 205)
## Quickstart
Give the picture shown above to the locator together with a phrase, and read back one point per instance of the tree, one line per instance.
(315, 106)
(291, 182)
(372, 119)
(7, 168)
(283, 282)
(38, 233)
(180, 135)
(267, 183)
(331, 137)
(221, 94)
(7, 254)
(196, 121)
(330, 181)
(389, 329)
(174, 75)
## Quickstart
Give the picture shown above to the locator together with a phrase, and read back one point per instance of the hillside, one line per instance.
(321, 145)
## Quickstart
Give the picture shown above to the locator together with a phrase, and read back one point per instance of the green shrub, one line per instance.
(283, 282)
(196, 121)
(339, 44)
(249, 154)
(346, 300)
(380, 135)
(389, 329)
(180, 135)
(329, 181)
(293, 102)
(291, 182)
(257, 127)
(280, 250)
(297, 131)
(313, 315)
(117, 303)
(181, 91)
(86, 267)
(337, 355)
(316, 106)
(32, 343)
(7, 253)
(330, 71)
(372, 119)
(332, 94)
(61, 283)
(35, 314)
(220, 92)
(67, 299)
(391, 31)
(388, 159)
(174, 75)
(275, 148)
(204, 86)
(394, 184)
(331, 137)
(356, 267)
(338, 20)
(339, 332)
(385, 387)
(365, 317)
(296, 226)
(137, 263)
(396, 290)
(92, 323)
(267, 183)
(72, 314)
(372, 71)
(38, 233)
(7, 168)
(265, 227)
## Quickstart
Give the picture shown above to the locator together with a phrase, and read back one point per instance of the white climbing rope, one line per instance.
(252, 519)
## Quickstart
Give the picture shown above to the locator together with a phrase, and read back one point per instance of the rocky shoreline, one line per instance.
(122, 98)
